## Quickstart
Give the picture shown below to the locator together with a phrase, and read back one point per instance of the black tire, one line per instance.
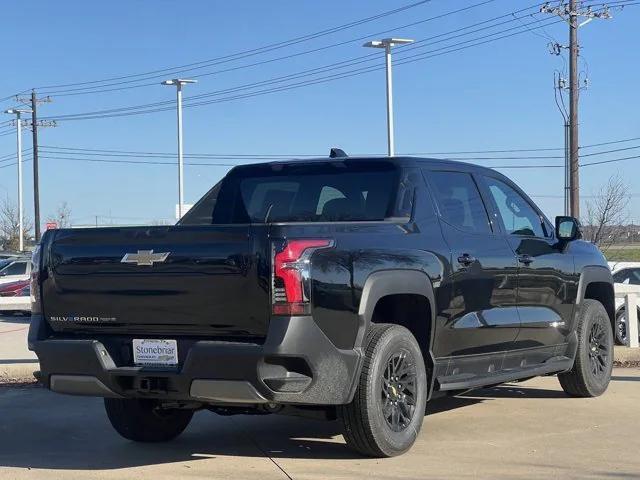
(141, 420)
(372, 424)
(592, 367)
(621, 327)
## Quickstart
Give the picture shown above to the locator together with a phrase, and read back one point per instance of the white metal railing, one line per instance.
(630, 293)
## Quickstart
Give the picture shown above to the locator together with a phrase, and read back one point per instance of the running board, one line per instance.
(467, 381)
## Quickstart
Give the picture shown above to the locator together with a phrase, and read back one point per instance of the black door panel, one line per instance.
(546, 272)
(481, 316)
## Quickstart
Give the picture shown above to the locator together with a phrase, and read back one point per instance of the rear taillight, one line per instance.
(35, 281)
(290, 283)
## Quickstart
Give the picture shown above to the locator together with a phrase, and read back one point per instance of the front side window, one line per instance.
(630, 276)
(517, 215)
(459, 201)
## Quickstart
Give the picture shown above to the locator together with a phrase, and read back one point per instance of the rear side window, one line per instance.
(459, 201)
(301, 192)
(16, 268)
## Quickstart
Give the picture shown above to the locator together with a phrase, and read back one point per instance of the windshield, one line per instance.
(305, 192)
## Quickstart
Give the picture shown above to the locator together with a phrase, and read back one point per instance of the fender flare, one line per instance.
(596, 274)
(392, 282)
(397, 282)
(591, 274)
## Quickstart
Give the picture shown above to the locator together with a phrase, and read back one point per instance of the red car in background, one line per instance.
(15, 297)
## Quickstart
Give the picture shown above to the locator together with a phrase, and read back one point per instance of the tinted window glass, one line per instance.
(201, 212)
(517, 215)
(16, 268)
(459, 201)
(299, 192)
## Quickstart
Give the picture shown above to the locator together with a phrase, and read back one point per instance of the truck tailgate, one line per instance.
(213, 280)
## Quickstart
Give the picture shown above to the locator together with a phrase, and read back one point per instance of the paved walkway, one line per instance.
(15, 359)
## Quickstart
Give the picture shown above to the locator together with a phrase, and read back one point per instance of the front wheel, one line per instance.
(592, 367)
(144, 420)
(621, 327)
(386, 413)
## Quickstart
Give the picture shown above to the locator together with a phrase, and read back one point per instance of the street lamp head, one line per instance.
(388, 42)
(17, 111)
(178, 81)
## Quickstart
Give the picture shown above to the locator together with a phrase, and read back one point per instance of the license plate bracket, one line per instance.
(151, 352)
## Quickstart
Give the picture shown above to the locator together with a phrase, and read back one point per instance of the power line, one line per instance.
(614, 160)
(226, 164)
(253, 51)
(101, 89)
(430, 54)
(370, 57)
(610, 143)
(317, 70)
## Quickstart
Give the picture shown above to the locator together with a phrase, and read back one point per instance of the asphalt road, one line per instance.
(530, 430)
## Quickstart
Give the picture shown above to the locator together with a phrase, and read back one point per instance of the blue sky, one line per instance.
(493, 96)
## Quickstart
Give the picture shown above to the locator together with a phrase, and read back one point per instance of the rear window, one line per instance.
(311, 192)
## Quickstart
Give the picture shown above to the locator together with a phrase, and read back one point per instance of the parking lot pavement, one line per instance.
(16, 360)
(529, 430)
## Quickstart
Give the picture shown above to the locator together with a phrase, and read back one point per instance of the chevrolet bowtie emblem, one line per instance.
(145, 258)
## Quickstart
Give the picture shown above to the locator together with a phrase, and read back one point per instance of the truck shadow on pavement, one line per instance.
(42, 430)
(15, 318)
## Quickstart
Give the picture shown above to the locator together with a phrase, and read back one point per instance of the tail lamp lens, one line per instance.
(291, 284)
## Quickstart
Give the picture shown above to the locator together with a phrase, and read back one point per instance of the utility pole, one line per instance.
(18, 113)
(34, 101)
(574, 155)
(387, 43)
(571, 12)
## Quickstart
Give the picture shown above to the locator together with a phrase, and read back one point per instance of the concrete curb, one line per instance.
(626, 357)
(18, 372)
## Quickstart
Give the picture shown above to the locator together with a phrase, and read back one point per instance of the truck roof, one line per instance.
(400, 160)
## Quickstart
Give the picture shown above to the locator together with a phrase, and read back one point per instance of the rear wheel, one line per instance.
(143, 420)
(592, 367)
(386, 413)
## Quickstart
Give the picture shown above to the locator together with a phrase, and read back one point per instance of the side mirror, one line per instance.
(567, 228)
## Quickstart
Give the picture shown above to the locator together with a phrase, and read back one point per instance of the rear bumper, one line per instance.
(297, 364)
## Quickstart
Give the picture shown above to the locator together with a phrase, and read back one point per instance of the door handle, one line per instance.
(525, 259)
(466, 259)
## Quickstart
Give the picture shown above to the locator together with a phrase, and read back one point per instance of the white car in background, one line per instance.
(625, 273)
(16, 271)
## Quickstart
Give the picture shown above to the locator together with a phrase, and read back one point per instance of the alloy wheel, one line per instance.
(399, 390)
(598, 350)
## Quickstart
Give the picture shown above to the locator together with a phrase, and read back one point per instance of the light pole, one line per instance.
(18, 113)
(387, 43)
(179, 82)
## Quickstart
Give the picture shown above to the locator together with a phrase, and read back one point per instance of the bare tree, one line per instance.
(62, 216)
(10, 226)
(607, 213)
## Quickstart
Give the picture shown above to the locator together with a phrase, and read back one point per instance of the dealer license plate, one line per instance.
(159, 353)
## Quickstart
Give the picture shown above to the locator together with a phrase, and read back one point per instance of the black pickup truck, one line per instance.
(348, 288)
